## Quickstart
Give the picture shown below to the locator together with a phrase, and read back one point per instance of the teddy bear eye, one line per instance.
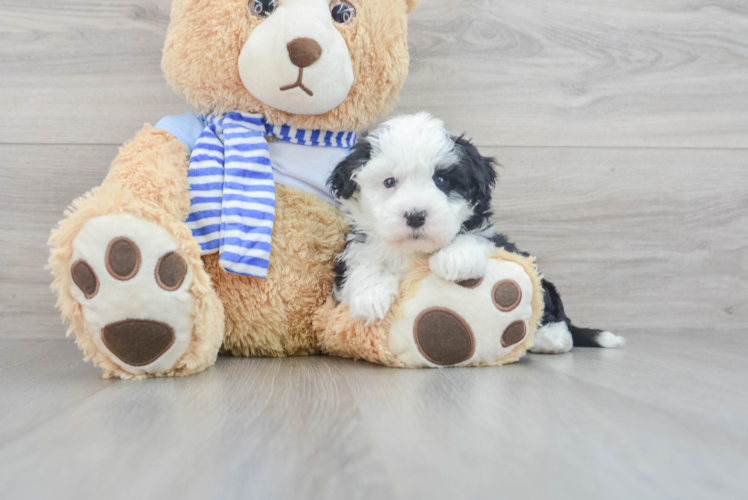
(390, 183)
(262, 8)
(342, 11)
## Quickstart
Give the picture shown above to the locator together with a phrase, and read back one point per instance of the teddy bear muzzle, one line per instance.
(297, 61)
(303, 52)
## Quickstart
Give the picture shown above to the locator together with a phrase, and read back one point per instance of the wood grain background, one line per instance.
(622, 131)
(621, 127)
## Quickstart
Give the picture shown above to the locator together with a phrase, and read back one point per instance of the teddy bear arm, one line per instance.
(128, 272)
(153, 166)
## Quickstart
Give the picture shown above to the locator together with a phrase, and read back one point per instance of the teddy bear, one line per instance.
(214, 233)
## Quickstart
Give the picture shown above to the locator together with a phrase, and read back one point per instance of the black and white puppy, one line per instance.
(410, 190)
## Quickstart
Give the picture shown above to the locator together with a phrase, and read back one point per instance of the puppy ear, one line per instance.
(482, 172)
(341, 183)
(411, 5)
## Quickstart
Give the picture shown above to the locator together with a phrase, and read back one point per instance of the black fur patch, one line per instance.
(554, 307)
(501, 241)
(341, 183)
(554, 313)
(473, 178)
(341, 269)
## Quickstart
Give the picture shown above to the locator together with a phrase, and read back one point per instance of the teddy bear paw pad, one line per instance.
(443, 337)
(464, 323)
(134, 291)
(138, 342)
(122, 259)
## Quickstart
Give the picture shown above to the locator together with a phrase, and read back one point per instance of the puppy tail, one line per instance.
(590, 337)
(581, 337)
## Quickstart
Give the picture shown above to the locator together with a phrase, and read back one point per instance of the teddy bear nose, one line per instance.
(304, 52)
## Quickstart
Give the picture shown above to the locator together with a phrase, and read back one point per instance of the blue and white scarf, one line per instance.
(231, 186)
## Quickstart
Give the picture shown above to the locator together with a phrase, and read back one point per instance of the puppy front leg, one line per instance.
(371, 292)
(465, 258)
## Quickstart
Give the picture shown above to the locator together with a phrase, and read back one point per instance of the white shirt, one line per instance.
(305, 167)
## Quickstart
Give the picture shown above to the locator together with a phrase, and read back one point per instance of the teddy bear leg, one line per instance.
(486, 321)
(128, 272)
(436, 323)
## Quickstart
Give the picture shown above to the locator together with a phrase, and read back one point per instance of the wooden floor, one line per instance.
(622, 130)
(664, 418)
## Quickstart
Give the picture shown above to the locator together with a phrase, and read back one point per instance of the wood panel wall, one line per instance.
(621, 128)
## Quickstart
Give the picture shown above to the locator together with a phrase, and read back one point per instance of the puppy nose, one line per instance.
(304, 52)
(416, 219)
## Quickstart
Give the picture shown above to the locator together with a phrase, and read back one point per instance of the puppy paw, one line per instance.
(610, 340)
(459, 262)
(372, 305)
(553, 338)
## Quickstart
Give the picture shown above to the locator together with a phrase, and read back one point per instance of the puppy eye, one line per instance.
(390, 183)
(262, 8)
(342, 11)
(440, 181)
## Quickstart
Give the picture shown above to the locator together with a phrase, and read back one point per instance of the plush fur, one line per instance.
(148, 180)
(273, 317)
(206, 37)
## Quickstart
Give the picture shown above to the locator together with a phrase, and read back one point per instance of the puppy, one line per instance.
(410, 190)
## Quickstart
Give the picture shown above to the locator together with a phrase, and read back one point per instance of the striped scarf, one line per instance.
(232, 192)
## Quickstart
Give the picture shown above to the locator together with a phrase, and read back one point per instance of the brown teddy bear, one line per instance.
(217, 232)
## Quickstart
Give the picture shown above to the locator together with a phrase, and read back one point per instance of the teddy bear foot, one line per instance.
(134, 290)
(436, 323)
(470, 323)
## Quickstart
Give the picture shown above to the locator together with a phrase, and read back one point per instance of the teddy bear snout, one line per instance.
(304, 52)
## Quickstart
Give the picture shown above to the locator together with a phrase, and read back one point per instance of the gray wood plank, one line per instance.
(85, 72)
(573, 73)
(37, 184)
(694, 373)
(247, 429)
(633, 238)
(475, 432)
(41, 379)
(330, 428)
(670, 73)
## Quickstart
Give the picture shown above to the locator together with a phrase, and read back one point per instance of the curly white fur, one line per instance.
(411, 150)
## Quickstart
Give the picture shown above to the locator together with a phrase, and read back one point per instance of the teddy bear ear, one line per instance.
(411, 4)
